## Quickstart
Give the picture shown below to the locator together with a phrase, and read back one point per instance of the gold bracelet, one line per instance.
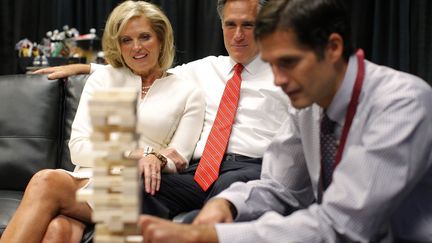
(149, 150)
(161, 158)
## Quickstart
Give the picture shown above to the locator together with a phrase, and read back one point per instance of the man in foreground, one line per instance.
(353, 164)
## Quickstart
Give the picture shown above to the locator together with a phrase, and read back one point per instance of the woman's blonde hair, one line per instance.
(118, 19)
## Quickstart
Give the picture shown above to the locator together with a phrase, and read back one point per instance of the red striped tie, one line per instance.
(217, 141)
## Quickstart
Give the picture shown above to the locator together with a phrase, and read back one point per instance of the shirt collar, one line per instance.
(251, 68)
(338, 107)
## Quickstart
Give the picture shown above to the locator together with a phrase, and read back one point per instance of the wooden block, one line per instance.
(127, 138)
(109, 239)
(115, 224)
(101, 171)
(98, 120)
(113, 199)
(122, 214)
(107, 181)
(114, 128)
(111, 145)
(130, 188)
(130, 214)
(134, 239)
(106, 236)
(122, 120)
(114, 159)
(130, 171)
(131, 229)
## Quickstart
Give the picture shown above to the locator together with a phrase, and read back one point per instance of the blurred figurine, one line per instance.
(24, 48)
(35, 52)
(100, 58)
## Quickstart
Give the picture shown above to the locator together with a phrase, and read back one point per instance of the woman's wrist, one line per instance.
(163, 161)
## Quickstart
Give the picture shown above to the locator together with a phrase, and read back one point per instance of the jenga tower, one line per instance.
(114, 193)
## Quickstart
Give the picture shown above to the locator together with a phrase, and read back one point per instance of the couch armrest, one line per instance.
(73, 88)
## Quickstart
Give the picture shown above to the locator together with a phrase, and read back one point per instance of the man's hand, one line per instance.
(64, 71)
(175, 157)
(215, 211)
(160, 230)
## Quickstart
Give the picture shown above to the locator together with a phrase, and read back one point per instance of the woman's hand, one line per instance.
(150, 167)
(175, 157)
(64, 71)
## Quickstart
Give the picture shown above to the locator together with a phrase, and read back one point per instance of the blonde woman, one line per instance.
(138, 44)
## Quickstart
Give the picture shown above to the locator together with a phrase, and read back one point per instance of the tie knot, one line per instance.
(238, 68)
(327, 125)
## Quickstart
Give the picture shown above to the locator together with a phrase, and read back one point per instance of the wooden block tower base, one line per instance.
(114, 191)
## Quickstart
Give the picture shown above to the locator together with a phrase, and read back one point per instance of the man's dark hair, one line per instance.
(313, 21)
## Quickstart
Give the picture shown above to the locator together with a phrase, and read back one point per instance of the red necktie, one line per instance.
(217, 141)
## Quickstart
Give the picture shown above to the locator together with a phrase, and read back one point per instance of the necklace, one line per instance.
(145, 89)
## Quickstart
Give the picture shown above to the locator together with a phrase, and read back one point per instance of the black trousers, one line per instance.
(180, 193)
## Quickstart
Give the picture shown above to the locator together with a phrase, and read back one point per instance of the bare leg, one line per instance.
(63, 229)
(48, 194)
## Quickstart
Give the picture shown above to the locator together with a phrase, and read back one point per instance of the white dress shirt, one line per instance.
(262, 106)
(384, 179)
(170, 115)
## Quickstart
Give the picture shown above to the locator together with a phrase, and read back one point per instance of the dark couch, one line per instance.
(35, 120)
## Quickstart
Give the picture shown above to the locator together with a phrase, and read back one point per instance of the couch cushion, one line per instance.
(30, 109)
(9, 201)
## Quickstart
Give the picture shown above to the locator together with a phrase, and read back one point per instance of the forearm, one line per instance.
(302, 226)
(190, 126)
(251, 200)
(273, 192)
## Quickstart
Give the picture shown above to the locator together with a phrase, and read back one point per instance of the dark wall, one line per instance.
(394, 33)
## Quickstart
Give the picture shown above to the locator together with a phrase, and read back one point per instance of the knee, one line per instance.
(224, 181)
(44, 181)
(59, 230)
(218, 186)
(45, 177)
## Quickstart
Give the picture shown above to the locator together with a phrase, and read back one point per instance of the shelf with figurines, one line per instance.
(59, 48)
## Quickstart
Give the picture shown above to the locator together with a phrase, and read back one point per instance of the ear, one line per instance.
(335, 46)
